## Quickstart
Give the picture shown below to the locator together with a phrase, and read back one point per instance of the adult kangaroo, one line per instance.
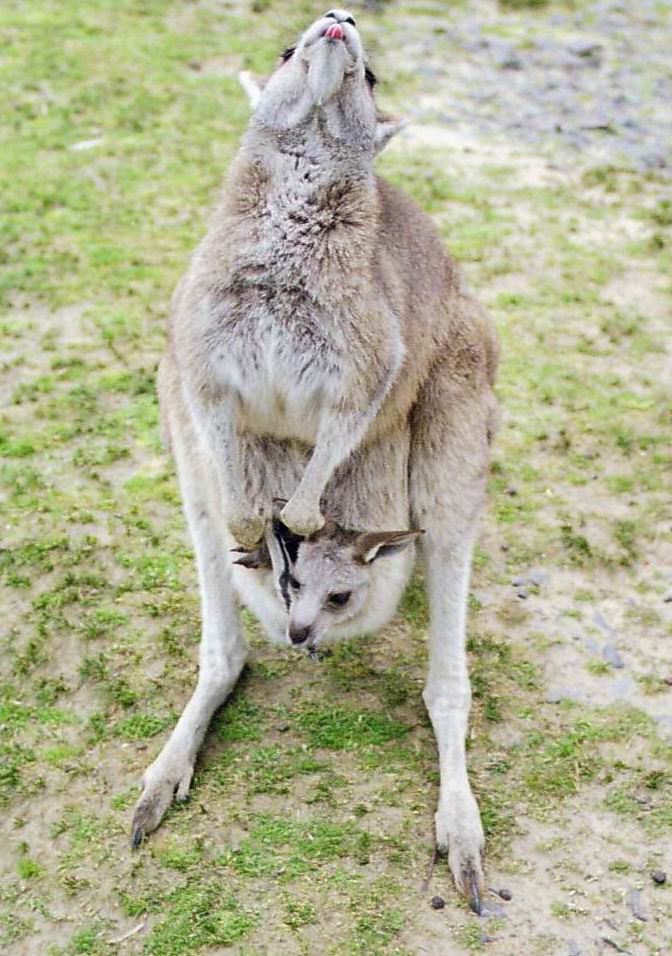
(323, 349)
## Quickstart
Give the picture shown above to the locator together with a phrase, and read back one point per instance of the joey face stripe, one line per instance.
(283, 580)
(288, 543)
(285, 575)
(288, 538)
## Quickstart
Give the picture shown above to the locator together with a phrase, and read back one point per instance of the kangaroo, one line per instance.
(323, 349)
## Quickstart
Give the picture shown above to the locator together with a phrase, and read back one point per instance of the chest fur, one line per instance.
(286, 335)
(282, 371)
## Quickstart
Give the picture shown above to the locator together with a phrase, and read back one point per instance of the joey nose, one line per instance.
(299, 635)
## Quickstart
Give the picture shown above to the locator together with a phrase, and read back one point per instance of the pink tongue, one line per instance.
(335, 32)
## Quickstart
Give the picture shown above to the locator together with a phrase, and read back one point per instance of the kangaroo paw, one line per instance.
(159, 788)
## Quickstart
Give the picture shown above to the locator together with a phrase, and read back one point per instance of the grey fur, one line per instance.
(324, 349)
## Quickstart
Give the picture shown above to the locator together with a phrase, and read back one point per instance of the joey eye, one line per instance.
(350, 20)
(293, 583)
(340, 599)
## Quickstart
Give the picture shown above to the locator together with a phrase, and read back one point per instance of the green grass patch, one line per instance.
(199, 916)
(346, 728)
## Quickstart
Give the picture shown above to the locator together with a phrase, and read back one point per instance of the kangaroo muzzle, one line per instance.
(334, 32)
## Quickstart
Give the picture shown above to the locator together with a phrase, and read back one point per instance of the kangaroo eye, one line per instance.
(340, 599)
(288, 53)
(293, 583)
(334, 16)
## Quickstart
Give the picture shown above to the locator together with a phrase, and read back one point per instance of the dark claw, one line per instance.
(141, 819)
(471, 882)
(475, 904)
(137, 834)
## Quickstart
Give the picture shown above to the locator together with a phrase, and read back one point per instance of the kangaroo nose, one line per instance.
(299, 635)
(341, 16)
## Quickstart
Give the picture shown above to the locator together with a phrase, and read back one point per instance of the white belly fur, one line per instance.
(280, 392)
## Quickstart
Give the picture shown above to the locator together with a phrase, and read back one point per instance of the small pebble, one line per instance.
(522, 594)
(509, 61)
(537, 576)
(534, 576)
(492, 908)
(438, 902)
(556, 694)
(611, 656)
(667, 598)
(585, 48)
(659, 877)
(634, 899)
(501, 893)
(603, 624)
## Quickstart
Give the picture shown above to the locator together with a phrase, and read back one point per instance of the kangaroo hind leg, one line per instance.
(447, 476)
(222, 651)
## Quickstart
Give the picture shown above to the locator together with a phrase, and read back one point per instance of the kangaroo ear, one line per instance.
(379, 544)
(386, 128)
(257, 560)
(253, 86)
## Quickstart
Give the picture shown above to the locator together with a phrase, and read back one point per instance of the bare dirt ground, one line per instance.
(539, 139)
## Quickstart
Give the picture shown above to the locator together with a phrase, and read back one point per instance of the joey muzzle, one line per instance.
(299, 635)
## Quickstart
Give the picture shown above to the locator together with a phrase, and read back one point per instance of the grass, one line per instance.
(308, 827)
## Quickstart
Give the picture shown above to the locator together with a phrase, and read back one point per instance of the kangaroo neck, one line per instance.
(307, 157)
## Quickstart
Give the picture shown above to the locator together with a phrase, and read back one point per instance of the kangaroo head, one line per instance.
(327, 72)
(323, 579)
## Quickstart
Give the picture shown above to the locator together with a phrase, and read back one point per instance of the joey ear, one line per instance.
(386, 128)
(379, 544)
(328, 530)
(253, 86)
(257, 560)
